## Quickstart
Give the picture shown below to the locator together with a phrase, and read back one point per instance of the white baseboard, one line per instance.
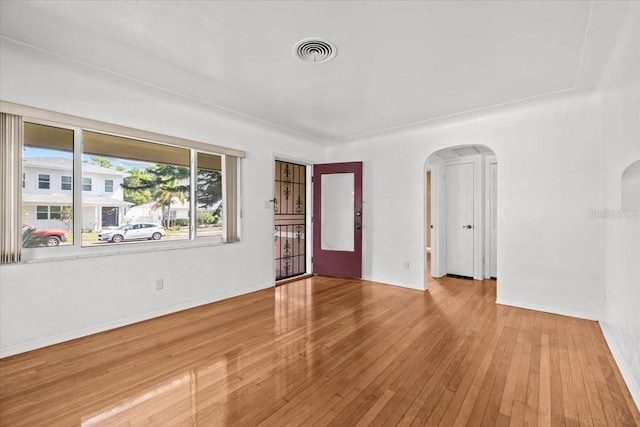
(397, 283)
(23, 347)
(549, 309)
(633, 387)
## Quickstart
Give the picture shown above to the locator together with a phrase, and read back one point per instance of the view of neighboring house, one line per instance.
(47, 188)
(151, 212)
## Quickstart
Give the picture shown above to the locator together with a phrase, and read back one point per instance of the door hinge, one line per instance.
(311, 178)
(311, 260)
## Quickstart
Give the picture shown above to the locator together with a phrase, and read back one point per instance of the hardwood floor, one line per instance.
(328, 352)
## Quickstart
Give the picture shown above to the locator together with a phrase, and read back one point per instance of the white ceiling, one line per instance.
(398, 63)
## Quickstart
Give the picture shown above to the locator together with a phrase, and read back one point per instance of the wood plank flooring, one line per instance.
(324, 351)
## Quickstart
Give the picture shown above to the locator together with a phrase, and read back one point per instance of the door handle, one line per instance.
(468, 226)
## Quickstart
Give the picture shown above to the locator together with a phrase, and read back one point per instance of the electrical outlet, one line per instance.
(406, 265)
(159, 284)
(267, 204)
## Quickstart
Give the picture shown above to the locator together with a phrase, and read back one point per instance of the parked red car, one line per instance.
(32, 236)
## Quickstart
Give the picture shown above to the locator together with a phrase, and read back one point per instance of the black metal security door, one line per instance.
(290, 219)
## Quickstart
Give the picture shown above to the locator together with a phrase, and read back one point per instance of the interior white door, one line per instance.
(493, 219)
(460, 226)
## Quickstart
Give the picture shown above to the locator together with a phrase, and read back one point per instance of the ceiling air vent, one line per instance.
(314, 50)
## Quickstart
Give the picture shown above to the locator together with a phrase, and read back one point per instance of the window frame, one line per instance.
(80, 125)
(108, 189)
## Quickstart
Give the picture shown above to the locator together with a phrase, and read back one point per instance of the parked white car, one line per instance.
(137, 231)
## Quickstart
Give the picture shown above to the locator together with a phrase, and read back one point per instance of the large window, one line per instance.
(154, 183)
(106, 188)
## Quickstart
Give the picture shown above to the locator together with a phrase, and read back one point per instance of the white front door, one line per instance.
(460, 225)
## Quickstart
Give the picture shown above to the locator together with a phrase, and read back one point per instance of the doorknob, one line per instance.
(468, 226)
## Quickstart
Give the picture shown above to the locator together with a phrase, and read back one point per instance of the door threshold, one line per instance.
(293, 279)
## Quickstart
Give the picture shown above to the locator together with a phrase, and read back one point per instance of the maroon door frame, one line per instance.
(337, 263)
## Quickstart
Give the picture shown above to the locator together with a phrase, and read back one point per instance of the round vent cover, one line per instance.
(315, 50)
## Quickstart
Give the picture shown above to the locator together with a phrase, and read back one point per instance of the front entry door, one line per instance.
(460, 226)
(337, 219)
(109, 216)
(290, 213)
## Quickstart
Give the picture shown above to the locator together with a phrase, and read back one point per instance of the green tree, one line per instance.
(163, 183)
(209, 189)
(165, 193)
(97, 160)
(66, 216)
(135, 187)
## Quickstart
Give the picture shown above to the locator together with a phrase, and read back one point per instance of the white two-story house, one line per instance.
(47, 186)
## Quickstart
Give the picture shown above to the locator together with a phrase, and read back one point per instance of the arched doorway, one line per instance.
(461, 213)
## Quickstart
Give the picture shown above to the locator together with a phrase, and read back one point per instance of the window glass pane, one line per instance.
(47, 213)
(42, 212)
(337, 212)
(54, 212)
(86, 184)
(209, 195)
(44, 181)
(144, 182)
(66, 183)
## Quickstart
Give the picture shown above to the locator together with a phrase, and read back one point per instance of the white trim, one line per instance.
(548, 309)
(438, 219)
(625, 371)
(46, 341)
(488, 161)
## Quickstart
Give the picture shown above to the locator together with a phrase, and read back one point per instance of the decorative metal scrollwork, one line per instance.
(286, 181)
(289, 206)
(286, 257)
(299, 206)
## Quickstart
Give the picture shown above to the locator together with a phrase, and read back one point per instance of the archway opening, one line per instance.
(460, 232)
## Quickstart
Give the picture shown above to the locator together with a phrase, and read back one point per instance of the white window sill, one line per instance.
(62, 253)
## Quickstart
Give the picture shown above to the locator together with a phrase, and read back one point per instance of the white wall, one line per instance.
(548, 153)
(621, 141)
(48, 302)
